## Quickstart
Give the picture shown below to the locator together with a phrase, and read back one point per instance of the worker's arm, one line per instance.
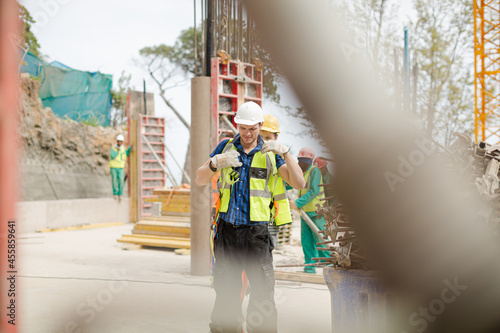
(204, 174)
(113, 152)
(313, 190)
(292, 173)
(218, 160)
(128, 150)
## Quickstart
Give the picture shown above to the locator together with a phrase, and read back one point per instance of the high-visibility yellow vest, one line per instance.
(281, 206)
(120, 159)
(262, 191)
(311, 206)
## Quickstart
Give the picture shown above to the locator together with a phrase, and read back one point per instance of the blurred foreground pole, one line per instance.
(435, 256)
(200, 195)
(9, 91)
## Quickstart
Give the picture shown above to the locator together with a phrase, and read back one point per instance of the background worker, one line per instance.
(281, 208)
(322, 165)
(118, 155)
(242, 240)
(308, 198)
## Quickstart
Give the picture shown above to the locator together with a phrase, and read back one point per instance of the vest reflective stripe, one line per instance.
(279, 197)
(120, 159)
(260, 193)
(259, 185)
(281, 209)
(311, 206)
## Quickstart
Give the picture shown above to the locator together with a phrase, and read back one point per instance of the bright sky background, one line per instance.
(105, 36)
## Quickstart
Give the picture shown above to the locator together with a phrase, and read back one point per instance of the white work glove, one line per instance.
(226, 160)
(275, 147)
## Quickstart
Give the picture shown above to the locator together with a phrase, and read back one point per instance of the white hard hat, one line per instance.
(120, 138)
(249, 113)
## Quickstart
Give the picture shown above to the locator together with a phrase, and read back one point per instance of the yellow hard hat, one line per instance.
(271, 124)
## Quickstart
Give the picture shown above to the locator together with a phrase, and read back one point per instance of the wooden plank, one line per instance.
(184, 219)
(175, 208)
(299, 277)
(133, 172)
(167, 191)
(179, 230)
(174, 200)
(161, 233)
(81, 227)
(177, 214)
(173, 224)
(168, 242)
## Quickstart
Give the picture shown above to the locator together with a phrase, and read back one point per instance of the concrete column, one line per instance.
(200, 195)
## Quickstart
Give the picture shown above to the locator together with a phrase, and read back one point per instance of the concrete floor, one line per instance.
(83, 281)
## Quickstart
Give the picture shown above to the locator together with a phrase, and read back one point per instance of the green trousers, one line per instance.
(309, 240)
(117, 180)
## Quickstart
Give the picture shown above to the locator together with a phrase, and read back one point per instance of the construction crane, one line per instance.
(487, 70)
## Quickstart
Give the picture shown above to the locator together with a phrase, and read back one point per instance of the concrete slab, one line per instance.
(33, 215)
(82, 281)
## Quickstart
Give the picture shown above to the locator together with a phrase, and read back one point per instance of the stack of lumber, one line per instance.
(174, 202)
(171, 229)
(161, 231)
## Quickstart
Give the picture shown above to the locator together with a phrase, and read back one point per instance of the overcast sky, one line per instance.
(105, 36)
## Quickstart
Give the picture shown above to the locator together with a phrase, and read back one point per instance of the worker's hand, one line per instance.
(275, 147)
(226, 160)
(293, 205)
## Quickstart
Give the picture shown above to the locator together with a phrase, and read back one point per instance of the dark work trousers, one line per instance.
(239, 248)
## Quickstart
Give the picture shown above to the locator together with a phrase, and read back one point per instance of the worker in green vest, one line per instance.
(308, 198)
(118, 155)
(242, 241)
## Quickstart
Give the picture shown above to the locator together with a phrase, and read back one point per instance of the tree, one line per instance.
(374, 25)
(119, 100)
(28, 39)
(181, 54)
(443, 38)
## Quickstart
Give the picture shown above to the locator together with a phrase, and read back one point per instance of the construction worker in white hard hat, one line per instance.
(308, 198)
(118, 155)
(242, 240)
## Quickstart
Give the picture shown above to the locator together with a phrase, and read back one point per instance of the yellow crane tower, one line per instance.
(487, 70)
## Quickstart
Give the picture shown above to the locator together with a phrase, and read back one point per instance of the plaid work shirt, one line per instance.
(238, 212)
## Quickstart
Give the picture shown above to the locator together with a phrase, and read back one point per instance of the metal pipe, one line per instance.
(144, 95)
(231, 126)
(209, 46)
(195, 42)
(177, 163)
(164, 167)
(310, 223)
(407, 73)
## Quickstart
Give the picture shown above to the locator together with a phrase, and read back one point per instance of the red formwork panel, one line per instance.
(150, 173)
(232, 84)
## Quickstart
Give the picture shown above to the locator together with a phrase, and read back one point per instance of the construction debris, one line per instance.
(478, 164)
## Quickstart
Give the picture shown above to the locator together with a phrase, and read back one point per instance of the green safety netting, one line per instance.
(81, 96)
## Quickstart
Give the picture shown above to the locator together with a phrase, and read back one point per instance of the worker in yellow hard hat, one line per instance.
(269, 132)
(118, 154)
(270, 128)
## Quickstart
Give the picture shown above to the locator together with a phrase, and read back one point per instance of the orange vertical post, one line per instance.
(9, 91)
(487, 70)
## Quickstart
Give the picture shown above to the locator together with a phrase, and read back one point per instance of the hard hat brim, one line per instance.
(247, 122)
(268, 129)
